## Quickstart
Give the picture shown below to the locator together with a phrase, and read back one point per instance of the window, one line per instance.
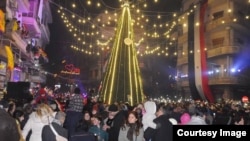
(218, 42)
(218, 15)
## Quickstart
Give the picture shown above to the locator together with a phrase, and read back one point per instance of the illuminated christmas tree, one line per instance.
(122, 79)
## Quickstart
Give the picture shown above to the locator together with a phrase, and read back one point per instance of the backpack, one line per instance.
(58, 137)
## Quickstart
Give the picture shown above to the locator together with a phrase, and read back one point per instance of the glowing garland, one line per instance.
(177, 19)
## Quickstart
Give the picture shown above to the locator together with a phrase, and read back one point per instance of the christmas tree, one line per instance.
(122, 79)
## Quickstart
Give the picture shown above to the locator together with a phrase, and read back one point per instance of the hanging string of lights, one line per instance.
(154, 39)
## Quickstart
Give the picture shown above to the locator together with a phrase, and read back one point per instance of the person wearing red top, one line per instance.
(42, 96)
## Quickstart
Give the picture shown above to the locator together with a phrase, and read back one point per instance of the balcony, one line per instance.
(32, 26)
(23, 5)
(224, 50)
(227, 20)
(182, 60)
(224, 81)
(18, 41)
(218, 23)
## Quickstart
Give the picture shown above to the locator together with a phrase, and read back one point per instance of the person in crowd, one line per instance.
(164, 128)
(139, 113)
(8, 126)
(42, 94)
(27, 109)
(57, 123)
(19, 116)
(198, 116)
(50, 96)
(223, 116)
(177, 112)
(82, 134)
(87, 117)
(108, 121)
(149, 115)
(184, 119)
(37, 119)
(132, 130)
(240, 118)
(86, 120)
(114, 121)
(97, 130)
(4, 104)
(74, 111)
(12, 107)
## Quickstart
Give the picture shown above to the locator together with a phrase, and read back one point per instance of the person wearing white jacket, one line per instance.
(149, 116)
(41, 117)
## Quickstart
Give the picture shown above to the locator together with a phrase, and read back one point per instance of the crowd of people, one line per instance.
(43, 120)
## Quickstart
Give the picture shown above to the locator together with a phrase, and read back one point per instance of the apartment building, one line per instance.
(24, 29)
(213, 47)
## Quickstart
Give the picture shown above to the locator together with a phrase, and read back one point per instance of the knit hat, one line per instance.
(185, 118)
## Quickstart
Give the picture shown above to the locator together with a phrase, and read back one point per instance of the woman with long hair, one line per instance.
(132, 129)
(97, 130)
(41, 117)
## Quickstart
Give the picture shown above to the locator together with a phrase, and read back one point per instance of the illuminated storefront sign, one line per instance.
(71, 69)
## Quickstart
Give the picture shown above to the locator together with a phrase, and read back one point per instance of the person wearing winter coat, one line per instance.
(132, 130)
(149, 115)
(37, 120)
(8, 126)
(164, 128)
(97, 130)
(57, 123)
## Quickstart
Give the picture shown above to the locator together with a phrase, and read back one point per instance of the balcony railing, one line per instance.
(223, 50)
(19, 42)
(230, 80)
(225, 20)
(33, 27)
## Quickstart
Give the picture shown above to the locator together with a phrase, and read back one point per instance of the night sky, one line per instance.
(61, 39)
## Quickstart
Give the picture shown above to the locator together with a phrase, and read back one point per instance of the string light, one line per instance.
(72, 19)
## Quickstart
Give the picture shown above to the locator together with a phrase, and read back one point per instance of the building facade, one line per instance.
(213, 43)
(24, 29)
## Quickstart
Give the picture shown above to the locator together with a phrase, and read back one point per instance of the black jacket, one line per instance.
(83, 136)
(8, 127)
(118, 121)
(48, 135)
(163, 132)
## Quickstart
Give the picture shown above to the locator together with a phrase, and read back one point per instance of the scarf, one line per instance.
(131, 131)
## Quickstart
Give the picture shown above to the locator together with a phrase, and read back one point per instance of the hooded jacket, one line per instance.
(149, 116)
